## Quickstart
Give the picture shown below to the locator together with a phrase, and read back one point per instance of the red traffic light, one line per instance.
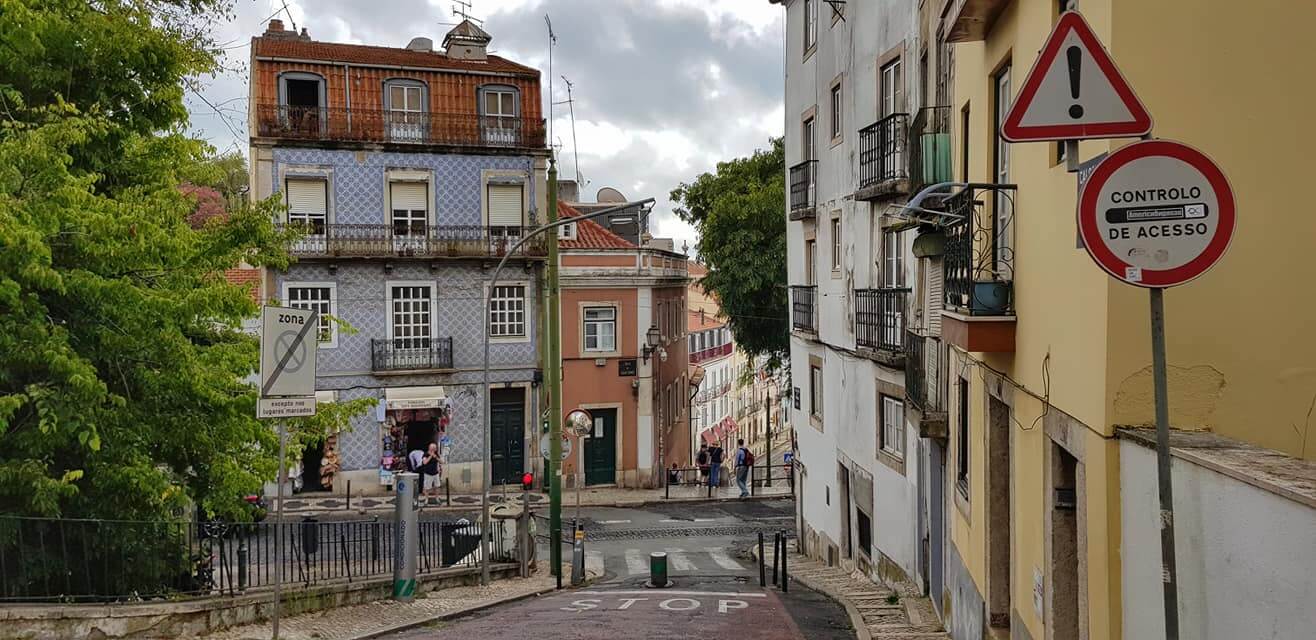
(527, 481)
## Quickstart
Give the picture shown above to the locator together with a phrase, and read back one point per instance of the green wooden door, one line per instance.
(601, 448)
(507, 435)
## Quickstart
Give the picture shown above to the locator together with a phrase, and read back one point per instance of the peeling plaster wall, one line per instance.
(1194, 394)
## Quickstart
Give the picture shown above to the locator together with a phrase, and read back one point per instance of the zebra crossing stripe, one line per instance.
(720, 557)
(676, 557)
(594, 562)
(636, 563)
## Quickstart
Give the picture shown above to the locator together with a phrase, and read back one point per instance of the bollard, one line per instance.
(776, 556)
(578, 560)
(667, 487)
(785, 577)
(763, 580)
(348, 506)
(405, 545)
(658, 571)
(242, 564)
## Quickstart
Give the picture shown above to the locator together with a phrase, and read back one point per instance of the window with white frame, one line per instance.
(815, 391)
(893, 88)
(836, 112)
(893, 258)
(601, 329)
(320, 299)
(411, 311)
(506, 212)
(836, 244)
(810, 24)
(507, 311)
(308, 203)
(567, 231)
(498, 110)
(893, 426)
(405, 110)
(409, 202)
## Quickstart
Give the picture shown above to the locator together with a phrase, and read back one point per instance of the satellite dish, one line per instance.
(608, 194)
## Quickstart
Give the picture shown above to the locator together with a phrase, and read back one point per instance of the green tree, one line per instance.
(739, 212)
(124, 375)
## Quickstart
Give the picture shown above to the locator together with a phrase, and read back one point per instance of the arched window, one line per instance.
(500, 108)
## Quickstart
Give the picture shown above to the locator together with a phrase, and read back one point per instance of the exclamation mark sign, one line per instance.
(1075, 56)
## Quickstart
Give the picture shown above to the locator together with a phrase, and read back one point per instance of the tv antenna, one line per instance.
(575, 150)
(552, 40)
(464, 11)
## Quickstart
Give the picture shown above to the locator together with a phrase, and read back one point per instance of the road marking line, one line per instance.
(614, 521)
(635, 563)
(720, 557)
(594, 562)
(679, 561)
(649, 592)
(673, 521)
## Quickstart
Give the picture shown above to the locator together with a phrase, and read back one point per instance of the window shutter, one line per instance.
(934, 302)
(307, 197)
(505, 205)
(412, 196)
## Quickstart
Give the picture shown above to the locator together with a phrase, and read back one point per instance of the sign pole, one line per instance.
(278, 525)
(1168, 568)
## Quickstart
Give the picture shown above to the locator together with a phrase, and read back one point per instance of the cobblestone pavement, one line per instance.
(371, 619)
(882, 613)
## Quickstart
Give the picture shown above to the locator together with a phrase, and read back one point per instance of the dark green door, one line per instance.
(507, 435)
(601, 448)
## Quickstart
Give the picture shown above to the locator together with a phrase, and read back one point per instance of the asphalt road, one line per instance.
(716, 590)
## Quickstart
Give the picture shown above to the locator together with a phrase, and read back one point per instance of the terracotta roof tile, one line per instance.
(709, 321)
(294, 47)
(590, 234)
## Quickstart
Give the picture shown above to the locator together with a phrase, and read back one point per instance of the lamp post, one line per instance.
(554, 380)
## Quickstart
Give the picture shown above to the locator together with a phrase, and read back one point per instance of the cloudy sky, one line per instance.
(663, 89)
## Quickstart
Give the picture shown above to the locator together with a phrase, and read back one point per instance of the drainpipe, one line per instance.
(347, 94)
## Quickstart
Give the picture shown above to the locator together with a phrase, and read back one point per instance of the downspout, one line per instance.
(347, 94)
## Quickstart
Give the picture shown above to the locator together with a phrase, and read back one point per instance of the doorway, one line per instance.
(507, 435)
(937, 526)
(1064, 544)
(998, 513)
(600, 455)
(420, 435)
(843, 477)
(312, 456)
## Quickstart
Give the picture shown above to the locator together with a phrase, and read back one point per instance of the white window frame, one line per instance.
(893, 259)
(1002, 243)
(836, 108)
(524, 336)
(892, 87)
(816, 391)
(567, 231)
(332, 342)
(892, 415)
(836, 244)
(810, 25)
(585, 323)
(433, 310)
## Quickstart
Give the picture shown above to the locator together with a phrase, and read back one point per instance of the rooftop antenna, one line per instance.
(290, 18)
(464, 11)
(575, 150)
(552, 40)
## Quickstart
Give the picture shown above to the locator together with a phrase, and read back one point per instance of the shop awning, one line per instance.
(414, 398)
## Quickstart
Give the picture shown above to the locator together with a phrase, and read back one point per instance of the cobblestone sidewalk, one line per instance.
(876, 611)
(381, 617)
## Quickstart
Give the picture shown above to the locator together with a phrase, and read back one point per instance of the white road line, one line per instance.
(720, 557)
(691, 520)
(614, 521)
(636, 564)
(665, 592)
(594, 562)
(678, 560)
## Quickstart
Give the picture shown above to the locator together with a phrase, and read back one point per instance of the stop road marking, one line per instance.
(679, 601)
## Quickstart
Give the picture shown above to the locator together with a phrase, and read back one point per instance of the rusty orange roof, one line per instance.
(296, 48)
(590, 234)
(709, 321)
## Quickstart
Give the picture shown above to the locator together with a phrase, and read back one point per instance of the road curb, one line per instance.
(856, 619)
(621, 504)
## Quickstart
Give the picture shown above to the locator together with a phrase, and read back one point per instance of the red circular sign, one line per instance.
(1156, 214)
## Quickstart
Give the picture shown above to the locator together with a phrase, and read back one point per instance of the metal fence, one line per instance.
(408, 240)
(882, 154)
(411, 354)
(879, 319)
(804, 314)
(373, 125)
(803, 188)
(69, 560)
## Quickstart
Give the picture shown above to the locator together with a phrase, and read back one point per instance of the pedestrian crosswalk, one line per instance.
(635, 562)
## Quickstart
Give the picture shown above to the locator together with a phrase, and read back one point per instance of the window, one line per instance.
(893, 426)
(307, 201)
(810, 25)
(601, 329)
(320, 299)
(807, 135)
(404, 104)
(411, 315)
(893, 88)
(507, 311)
(567, 231)
(1001, 244)
(964, 143)
(301, 102)
(815, 391)
(810, 261)
(506, 214)
(836, 110)
(893, 257)
(409, 202)
(962, 444)
(864, 529)
(498, 106)
(836, 244)
(923, 80)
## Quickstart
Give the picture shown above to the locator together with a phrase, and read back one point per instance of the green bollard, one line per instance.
(658, 571)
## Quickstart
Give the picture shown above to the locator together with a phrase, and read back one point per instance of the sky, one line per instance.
(662, 89)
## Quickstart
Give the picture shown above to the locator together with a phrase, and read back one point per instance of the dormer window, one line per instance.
(302, 102)
(405, 110)
(567, 231)
(498, 115)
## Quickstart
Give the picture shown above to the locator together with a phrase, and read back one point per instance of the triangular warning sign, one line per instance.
(1074, 91)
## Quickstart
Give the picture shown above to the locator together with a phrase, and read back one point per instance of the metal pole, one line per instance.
(278, 523)
(763, 577)
(1168, 569)
(405, 537)
(785, 577)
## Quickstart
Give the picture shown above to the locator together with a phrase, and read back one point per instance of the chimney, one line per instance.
(276, 26)
(568, 191)
(306, 35)
(467, 42)
(421, 43)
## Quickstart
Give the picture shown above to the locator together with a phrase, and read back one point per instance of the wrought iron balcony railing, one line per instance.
(411, 354)
(804, 310)
(979, 259)
(929, 148)
(404, 240)
(803, 189)
(882, 151)
(924, 373)
(879, 319)
(407, 127)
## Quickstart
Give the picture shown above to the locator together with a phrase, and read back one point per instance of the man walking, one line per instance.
(715, 455)
(744, 461)
(701, 461)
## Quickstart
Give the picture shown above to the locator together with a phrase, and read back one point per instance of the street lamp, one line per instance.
(651, 341)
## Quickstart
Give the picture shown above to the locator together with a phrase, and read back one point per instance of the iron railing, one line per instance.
(882, 151)
(411, 354)
(924, 371)
(929, 148)
(803, 189)
(404, 127)
(319, 240)
(711, 352)
(979, 258)
(71, 560)
(804, 311)
(879, 319)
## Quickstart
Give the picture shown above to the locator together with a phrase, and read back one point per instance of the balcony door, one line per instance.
(410, 215)
(498, 123)
(893, 277)
(893, 102)
(406, 111)
(411, 324)
(308, 211)
(302, 104)
(506, 215)
(1002, 207)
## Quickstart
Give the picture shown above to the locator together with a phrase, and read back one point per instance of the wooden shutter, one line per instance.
(934, 301)
(411, 196)
(307, 197)
(505, 205)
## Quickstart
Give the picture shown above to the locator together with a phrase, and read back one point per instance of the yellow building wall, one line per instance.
(1029, 542)
(968, 518)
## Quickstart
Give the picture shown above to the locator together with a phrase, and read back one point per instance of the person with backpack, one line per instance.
(744, 461)
(715, 455)
(701, 461)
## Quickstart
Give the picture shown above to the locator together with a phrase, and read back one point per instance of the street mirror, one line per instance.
(579, 422)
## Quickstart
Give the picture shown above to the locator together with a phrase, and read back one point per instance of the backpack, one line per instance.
(749, 458)
(717, 455)
(702, 459)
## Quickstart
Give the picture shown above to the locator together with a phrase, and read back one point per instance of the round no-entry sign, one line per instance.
(1156, 214)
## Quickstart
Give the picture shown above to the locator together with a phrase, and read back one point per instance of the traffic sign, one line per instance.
(1074, 91)
(288, 342)
(545, 445)
(1156, 214)
(285, 407)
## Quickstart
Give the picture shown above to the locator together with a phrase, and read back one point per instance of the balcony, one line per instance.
(971, 20)
(410, 355)
(879, 324)
(403, 240)
(979, 271)
(803, 190)
(925, 383)
(711, 353)
(804, 310)
(930, 148)
(883, 154)
(324, 124)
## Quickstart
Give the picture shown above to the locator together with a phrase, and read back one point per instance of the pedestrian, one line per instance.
(415, 460)
(715, 455)
(429, 469)
(701, 461)
(744, 462)
(674, 475)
